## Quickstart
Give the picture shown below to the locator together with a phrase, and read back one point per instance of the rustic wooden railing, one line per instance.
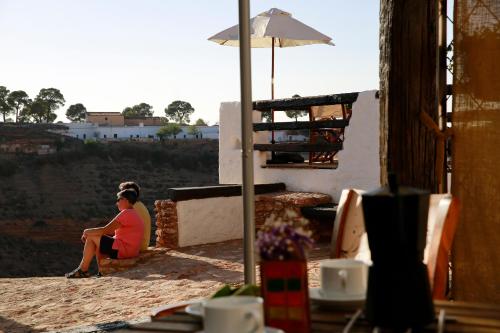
(299, 103)
(326, 136)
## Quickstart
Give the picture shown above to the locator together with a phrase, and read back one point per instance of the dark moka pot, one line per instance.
(398, 295)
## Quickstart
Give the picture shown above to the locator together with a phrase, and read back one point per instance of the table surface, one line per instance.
(450, 317)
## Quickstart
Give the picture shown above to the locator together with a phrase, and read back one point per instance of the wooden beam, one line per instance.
(299, 103)
(189, 193)
(299, 147)
(408, 59)
(298, 125)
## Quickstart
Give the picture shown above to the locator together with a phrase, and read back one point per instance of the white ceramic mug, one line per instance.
(343, 277)
(234, 314)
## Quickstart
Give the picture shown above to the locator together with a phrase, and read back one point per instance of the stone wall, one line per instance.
(167, 231)
(276, 203)
(199, 227)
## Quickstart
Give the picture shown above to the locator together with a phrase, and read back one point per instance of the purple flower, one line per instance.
(279, 240)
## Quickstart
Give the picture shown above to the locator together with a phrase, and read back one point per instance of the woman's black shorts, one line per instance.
(106, 246)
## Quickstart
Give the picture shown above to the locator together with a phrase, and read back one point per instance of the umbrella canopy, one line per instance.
(274, 28)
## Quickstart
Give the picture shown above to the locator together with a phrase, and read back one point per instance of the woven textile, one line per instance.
(476, 150)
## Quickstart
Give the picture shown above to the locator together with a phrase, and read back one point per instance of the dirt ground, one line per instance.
(57, 303)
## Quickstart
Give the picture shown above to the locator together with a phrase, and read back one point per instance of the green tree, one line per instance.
(179, 112)
(168, 130)
(76, 112)
(18, 100)
(5, 108)
(266, 116)
(296, 113)
(51, 99)
(36, 111)
(193, 130)
(24, 114)
(201, 122)
(139, 110)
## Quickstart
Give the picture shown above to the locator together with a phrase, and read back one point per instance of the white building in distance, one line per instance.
(89, 131)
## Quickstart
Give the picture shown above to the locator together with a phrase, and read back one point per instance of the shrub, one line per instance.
(7, 168)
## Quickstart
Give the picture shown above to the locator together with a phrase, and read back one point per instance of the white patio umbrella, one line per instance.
(274, 28)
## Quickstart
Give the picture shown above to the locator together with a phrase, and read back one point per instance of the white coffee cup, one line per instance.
(343, 277)
(234, 314)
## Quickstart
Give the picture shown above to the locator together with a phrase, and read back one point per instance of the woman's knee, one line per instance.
(96, 239)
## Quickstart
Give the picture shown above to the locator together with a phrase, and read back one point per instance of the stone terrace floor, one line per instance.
(56, 303)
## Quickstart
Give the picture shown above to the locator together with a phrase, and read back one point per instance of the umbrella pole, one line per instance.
(247, 147)
(272, 69)
(272, 96)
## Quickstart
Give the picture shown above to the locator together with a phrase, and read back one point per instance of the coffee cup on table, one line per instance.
(343, 277)
(234, 314)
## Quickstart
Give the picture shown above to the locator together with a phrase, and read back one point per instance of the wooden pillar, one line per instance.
(408, 60)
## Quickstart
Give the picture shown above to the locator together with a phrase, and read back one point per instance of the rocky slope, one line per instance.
(46, 201)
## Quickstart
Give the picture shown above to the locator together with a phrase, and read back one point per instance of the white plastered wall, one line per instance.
(211, 220)
(359, 164)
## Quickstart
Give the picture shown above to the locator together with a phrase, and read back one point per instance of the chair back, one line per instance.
(441, 226)
(349, 237)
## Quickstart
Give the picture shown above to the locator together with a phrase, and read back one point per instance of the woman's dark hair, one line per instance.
(130, 185)
(128, 194)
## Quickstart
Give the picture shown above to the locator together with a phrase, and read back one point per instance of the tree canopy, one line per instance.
(296, 113)
(266, 116)
(18, 100)
(179, 111)
(201, 122)
(76, 112)
(139, 110)
(36, 111)
(50, 99)
(169, 130)
(5, 108)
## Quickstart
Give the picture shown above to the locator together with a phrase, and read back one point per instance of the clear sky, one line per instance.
(110, 54)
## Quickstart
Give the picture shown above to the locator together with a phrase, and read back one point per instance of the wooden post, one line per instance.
(408, 58)
(442, 86)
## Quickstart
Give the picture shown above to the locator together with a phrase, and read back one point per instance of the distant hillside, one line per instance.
(82, 182)
(50, 198)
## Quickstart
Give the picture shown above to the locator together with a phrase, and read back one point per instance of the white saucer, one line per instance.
(267, 329)
(195, 309)
(340, 299)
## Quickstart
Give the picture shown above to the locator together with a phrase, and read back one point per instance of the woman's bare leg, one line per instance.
(89, 251)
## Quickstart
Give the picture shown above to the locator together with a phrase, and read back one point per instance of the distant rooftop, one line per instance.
(103, 113)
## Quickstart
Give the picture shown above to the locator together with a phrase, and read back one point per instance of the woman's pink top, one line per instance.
(128, 237)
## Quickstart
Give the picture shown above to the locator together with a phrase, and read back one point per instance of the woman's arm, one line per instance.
(106, 230)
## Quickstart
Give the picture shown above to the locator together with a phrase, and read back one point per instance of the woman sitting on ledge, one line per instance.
(126, 243)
